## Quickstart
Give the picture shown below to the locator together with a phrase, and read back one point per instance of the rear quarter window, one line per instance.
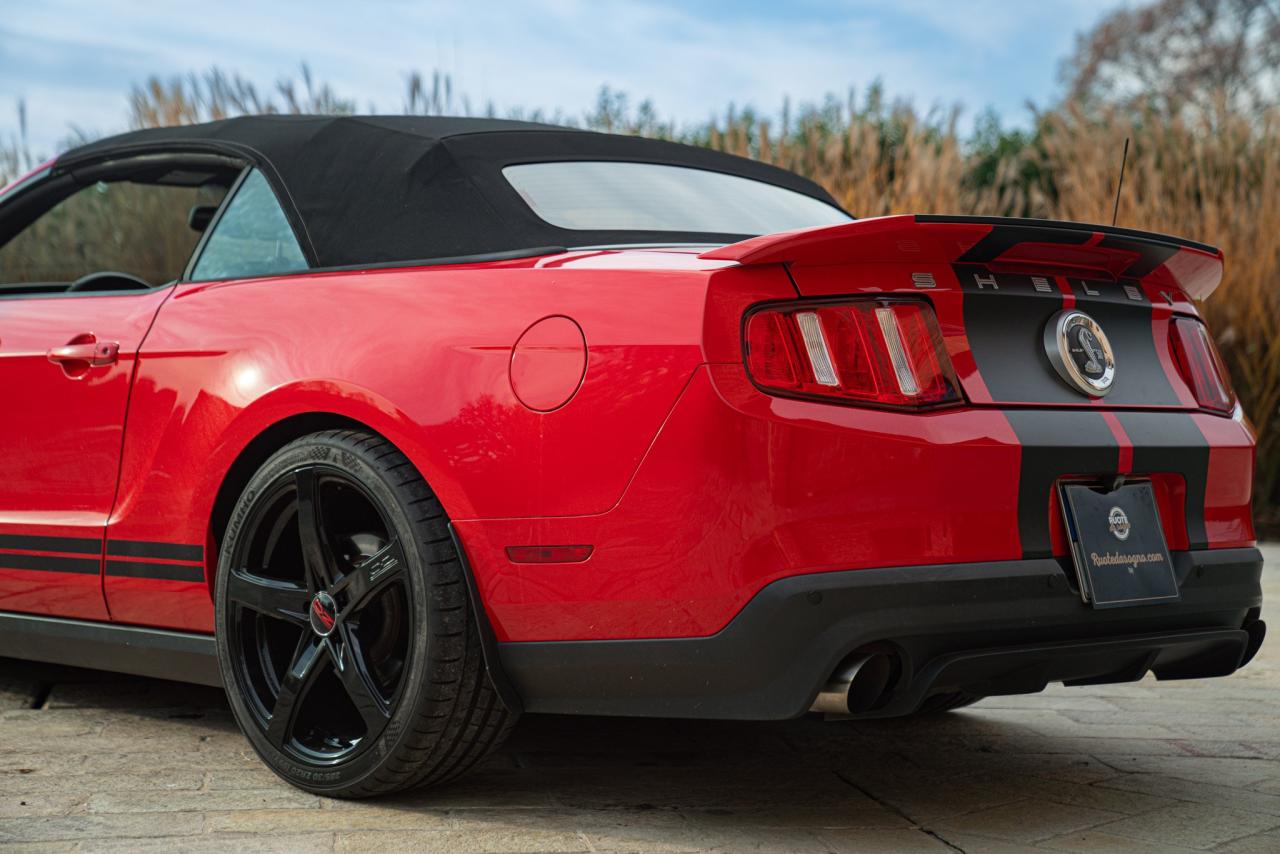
(251, 238)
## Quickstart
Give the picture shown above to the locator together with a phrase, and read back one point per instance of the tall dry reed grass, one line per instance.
(1218, 184)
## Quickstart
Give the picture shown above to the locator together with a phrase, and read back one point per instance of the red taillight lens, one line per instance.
(549, 554)
(772, 351)
(1200, 364)
(879, 352)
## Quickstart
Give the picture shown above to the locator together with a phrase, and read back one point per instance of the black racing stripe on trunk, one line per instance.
(164, 551)
(1055, 444)
(1005, 316)
(1140, 379)
(1150, 255)
(159, 571)
(50, 563)
(69, 545)
(1171, 442)
(1003, 238)
(1005, 327)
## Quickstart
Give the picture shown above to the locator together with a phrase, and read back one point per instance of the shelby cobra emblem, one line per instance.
(1118, 522)
(1080, 352)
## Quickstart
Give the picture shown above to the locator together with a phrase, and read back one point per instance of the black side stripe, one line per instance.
(163, 551)
(69, 545)
(159, 571)
(50, 563)
(191, 570)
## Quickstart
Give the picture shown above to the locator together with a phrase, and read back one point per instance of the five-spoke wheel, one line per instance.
(318, 595)
(329, 637)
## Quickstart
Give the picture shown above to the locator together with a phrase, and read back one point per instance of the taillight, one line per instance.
(879, 352)
(1200, 364)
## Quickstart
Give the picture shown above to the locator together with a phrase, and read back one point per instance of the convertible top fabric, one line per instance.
(362, 190)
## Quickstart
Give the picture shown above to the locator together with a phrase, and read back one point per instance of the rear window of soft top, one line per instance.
(623, 196)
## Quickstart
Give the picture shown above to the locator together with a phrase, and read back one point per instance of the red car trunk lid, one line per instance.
(996, 285)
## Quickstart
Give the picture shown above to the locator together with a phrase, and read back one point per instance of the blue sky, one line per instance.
(74, 62)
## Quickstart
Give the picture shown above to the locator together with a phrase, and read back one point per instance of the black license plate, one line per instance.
(1118, 545)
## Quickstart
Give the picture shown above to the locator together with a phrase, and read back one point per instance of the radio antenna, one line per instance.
(1124, 158)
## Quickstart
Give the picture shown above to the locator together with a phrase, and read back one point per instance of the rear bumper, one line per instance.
(989, 628)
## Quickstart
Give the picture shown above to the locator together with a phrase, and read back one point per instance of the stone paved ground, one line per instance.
(93, 762)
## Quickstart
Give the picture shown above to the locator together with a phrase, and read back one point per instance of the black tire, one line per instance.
(939, 703)
(412, 703)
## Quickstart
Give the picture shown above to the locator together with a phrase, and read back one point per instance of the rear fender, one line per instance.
(344, 400)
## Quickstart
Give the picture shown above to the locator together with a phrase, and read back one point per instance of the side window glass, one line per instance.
(127, 226)
(252, 237)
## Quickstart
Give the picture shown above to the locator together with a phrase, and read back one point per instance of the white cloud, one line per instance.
(550, 54)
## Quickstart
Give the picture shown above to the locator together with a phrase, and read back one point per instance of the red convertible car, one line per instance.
(398, 427)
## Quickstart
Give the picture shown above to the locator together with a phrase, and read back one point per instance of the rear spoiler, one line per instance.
(1070, 248)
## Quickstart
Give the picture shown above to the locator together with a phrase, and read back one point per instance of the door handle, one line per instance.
(84, 352)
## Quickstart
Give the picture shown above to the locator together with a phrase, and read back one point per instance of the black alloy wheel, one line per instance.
(344, 628)
(320, 618)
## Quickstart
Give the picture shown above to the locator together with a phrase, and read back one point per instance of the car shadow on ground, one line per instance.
(635, 781)
(1194, 764)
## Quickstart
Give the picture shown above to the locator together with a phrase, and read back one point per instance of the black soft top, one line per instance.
(362, 190)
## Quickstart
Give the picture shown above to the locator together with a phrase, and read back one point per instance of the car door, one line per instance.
(178, 387)
(84, 266)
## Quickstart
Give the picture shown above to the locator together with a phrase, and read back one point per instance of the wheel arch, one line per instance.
(258, 451)
(271, 421)
(279, 434)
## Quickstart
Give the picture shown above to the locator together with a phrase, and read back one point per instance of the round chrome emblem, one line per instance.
(324, 614)
(1118, 522)
(1079, 351)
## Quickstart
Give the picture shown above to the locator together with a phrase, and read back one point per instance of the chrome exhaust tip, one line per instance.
(855, 686)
